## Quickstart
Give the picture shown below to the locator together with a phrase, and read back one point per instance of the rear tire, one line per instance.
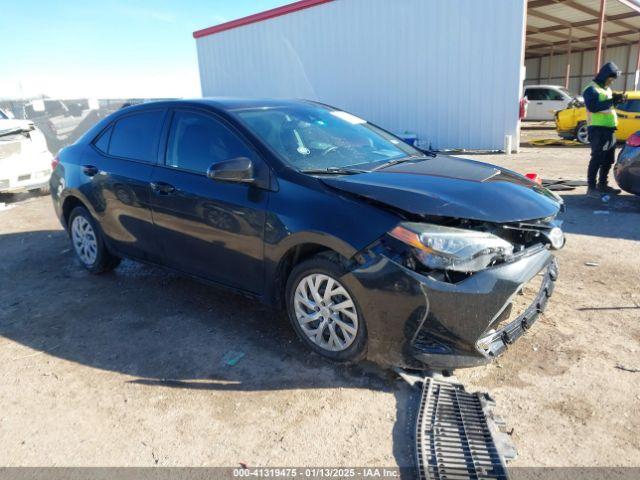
(45, 190)
(88, 243)
(313, 292)
(582, 133)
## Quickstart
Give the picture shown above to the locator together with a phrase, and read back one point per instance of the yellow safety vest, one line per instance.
(605, 118)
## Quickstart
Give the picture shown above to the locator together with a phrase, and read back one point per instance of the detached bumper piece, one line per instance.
(458, 436)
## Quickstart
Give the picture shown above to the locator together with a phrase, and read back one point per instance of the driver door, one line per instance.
(207, 228)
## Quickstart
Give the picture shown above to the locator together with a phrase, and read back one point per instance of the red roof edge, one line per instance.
(259, 17)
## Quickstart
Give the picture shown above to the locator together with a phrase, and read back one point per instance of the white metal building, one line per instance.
(448, 70)
(451, 71)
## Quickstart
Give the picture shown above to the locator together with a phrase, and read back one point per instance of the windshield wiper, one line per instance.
(410, 158)
(333, 171)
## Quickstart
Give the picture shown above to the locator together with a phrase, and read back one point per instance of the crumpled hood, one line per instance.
(14, 124)
(451, 187)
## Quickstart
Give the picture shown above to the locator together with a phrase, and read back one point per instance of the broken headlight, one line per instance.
(455, 249)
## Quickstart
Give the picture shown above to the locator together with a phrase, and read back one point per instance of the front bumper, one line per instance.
(25, 171)
(416, 321)
(16, 185)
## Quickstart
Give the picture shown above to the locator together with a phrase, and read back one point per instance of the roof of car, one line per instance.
(226, 103)
(543, 86)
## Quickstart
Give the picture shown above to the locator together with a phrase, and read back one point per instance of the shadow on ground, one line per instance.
(163, 330)
(618, 218)
(11, 198)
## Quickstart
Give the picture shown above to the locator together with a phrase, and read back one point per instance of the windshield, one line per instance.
(562, 89)
(311, 137)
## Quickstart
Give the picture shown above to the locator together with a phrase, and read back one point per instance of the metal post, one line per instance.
(539, 70)
(627, 71)
(637, 78)
(568, 73)
(603, 7)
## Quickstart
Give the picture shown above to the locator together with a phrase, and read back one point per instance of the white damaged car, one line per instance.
(25, 160)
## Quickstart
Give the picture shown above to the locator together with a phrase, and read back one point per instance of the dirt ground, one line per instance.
(129, 368)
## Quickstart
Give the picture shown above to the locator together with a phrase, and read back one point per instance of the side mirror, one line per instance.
(235, 170)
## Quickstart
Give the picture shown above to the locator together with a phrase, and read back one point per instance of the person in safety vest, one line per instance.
(602, 121)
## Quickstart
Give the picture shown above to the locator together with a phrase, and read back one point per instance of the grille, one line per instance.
(457, 435)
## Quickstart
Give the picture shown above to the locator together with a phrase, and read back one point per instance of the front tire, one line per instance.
(324, 312)
(88, 244)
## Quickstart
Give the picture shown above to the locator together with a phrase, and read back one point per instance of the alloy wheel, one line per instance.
(326, 312)
(583, 134)
(84, 239)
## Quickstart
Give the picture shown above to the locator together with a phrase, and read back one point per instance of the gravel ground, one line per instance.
(128, 368)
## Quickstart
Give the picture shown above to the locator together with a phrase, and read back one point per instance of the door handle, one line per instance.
(162, 188)
(90, 170)
(539, 103)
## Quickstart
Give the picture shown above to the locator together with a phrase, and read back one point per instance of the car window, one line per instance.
(568, 93)
(136, 136)
(534, 94)
(630, 106)
(102, 141)
(197, 141)
(554, 95)
(55, 108)
(310, 137)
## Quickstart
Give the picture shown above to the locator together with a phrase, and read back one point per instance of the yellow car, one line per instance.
(571, 123)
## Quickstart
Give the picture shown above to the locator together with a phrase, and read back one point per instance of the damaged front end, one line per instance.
(455, 293)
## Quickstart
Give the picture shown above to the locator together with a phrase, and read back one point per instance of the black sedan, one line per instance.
(627, 168)
(374, 248)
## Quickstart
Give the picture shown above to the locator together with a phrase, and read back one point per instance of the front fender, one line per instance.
(319, 216)
(313, 237)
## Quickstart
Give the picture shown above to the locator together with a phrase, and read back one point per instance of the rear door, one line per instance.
(211, 229)
(118, 169)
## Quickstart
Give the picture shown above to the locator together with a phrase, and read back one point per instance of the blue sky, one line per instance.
(108, 48)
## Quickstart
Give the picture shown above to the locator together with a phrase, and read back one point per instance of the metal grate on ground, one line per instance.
(458, 436)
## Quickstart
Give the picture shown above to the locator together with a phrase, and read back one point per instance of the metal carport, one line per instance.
(568, 40)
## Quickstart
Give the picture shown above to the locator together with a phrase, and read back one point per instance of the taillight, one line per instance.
(634, 140)
(54, 163)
